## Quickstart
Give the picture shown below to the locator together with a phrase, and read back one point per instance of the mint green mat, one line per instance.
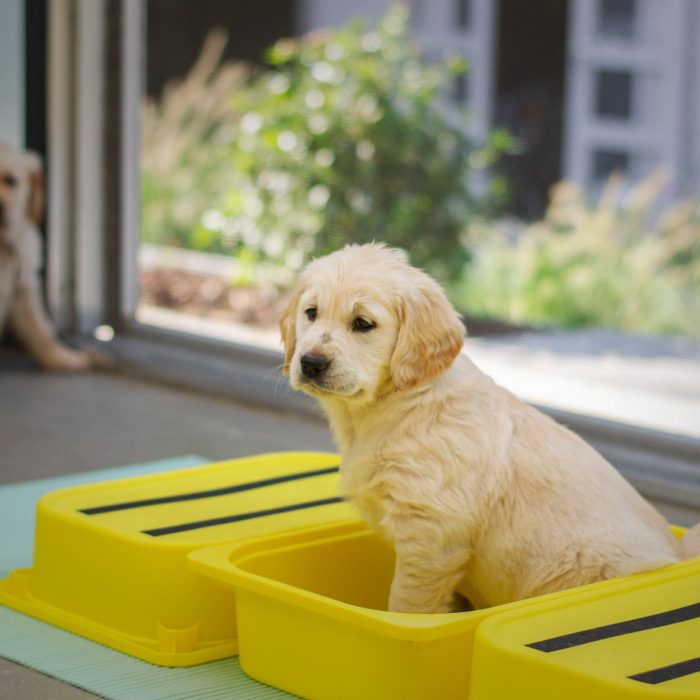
(83, 663)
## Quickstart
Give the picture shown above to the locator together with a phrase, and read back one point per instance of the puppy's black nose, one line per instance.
(313, 365)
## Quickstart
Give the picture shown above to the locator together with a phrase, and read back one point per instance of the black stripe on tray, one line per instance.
(668, 673)
(184, 527)
(638, 624)
(195, 495)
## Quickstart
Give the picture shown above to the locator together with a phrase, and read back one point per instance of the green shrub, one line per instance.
(623, 263)
(347, 137)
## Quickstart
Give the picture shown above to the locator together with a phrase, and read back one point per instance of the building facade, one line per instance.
(591, 86)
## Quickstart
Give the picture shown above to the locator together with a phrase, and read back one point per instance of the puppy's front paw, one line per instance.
(99, 360)
(63, 359)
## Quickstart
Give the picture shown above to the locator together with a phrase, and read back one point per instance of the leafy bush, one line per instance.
(345, 138)
(623, 263)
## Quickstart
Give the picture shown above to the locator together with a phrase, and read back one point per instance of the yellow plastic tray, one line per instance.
(311, 621)
(110, 558)
(639, 638)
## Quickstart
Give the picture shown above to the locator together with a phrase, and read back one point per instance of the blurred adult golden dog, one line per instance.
(21, 210)
(480, 493)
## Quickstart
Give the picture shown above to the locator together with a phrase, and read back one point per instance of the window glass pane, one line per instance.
(198, 259)
(462, 14)
(418, 14)
(263, 149)
(269, 142)
(613, 95)
(617, 18)
(607, 162)
(460, 93)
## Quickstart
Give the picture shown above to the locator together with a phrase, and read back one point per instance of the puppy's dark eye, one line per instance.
(311, 313)
(362, 325)
(9, 180)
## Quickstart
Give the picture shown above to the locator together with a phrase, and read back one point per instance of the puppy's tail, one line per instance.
(690, 544)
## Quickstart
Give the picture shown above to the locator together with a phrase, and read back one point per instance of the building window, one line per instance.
(417, 8)
(613, 94)
(617, 19)
(462, 14)
(606, 162)
(460, 89)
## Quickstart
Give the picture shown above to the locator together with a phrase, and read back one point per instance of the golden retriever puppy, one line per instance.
(21, 210)
(480, 493)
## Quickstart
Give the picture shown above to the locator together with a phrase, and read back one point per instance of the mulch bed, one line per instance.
(211, 296)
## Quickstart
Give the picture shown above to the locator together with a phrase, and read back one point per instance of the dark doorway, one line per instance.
(529, 97)
(177, 30)
(35, 75)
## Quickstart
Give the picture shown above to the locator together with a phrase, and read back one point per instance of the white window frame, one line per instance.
(76, 266)
(132, 74)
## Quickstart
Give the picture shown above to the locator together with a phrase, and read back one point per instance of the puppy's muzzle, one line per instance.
(313, 365)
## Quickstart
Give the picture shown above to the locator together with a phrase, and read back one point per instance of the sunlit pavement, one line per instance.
(650, 382)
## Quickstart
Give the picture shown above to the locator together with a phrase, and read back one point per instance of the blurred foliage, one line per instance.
(628, 262)
(347, 137)
(184, 157)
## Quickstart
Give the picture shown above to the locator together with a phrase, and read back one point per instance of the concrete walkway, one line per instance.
(647, 381)
(651, 382)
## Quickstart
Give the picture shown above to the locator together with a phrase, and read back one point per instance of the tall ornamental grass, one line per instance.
(626, 262)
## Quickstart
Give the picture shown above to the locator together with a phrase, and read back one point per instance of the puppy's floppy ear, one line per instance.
(288, 328)
(35, 204)
(431, 336)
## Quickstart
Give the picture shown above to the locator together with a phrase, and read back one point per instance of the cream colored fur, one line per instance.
(21, 202)
(479, 492)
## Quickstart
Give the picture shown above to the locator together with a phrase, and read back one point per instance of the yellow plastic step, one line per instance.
(262, 553)
(110, 558)
(632, 639)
